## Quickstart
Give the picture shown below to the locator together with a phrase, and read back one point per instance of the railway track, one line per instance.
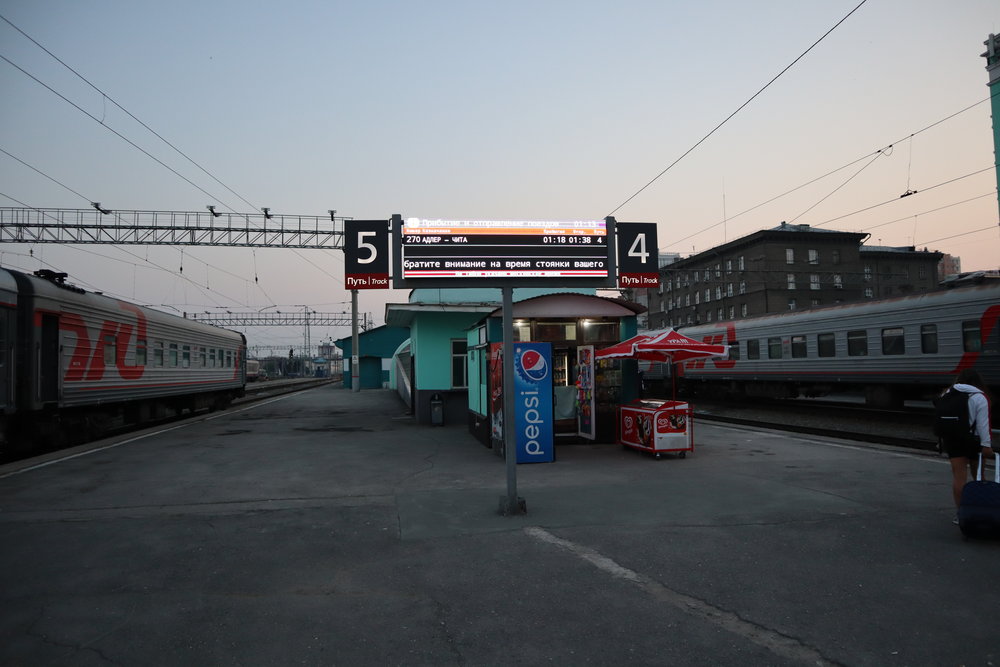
(910, 428)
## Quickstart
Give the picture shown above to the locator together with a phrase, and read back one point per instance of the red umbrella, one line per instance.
(664, 345)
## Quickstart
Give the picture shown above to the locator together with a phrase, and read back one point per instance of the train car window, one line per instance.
(857, 343)
(109, 350)
(202, 357)
(798, 347)
(158, 353)
(826, 345)
(734, 350)
(140, 352)
(928, 338)
(774, 347)
(971, 340)
(893, 341)
(211, 357)
(186, 356)
(753, 349)
(229, 358)
(173, 355)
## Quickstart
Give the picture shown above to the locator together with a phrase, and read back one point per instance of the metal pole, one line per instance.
(355, 373)
(510, 504)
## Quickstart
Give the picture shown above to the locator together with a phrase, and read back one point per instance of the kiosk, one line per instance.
(657, 427)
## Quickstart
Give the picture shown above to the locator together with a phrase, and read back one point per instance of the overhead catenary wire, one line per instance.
(741, 107)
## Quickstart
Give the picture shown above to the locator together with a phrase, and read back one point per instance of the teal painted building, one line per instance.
(376, 348)
(438, 321)
(451, 331)
(992, 56)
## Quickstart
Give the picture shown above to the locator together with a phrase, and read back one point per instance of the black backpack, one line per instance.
(951, 418)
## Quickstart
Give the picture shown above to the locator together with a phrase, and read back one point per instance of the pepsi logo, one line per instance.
(533, 366)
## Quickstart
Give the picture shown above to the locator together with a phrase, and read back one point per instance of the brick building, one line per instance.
(787, 267)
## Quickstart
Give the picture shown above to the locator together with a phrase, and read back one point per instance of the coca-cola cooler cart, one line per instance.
(657, 427)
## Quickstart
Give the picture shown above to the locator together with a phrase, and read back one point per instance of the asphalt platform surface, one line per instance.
(327, 528)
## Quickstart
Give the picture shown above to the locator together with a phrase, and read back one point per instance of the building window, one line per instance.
(732, 312)
(825, 345)
(869, 293)
(813, 256)
(892, 341)
(868, 273)
(744, 311)
(774, 347)
(798, 347)
(813, 281)
(694, 278)
(721, 313)
(743, 287)
(789, 255)
(718, 271)
(791, 280)
(697, 298)
(687, 300)
(459, 365)
(838, 281)
(729, 266)
(708, 315)
(928, 339)
(729, 289)
(857, 343)
(791, 304)
(740, 263)
(718, 293)
(835, 256)
(922, 272)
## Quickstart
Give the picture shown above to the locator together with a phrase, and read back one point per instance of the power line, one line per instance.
(726, 120)
(834, 171)
(130, 114)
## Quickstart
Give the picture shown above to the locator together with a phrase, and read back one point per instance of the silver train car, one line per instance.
(892, 350)
(75, 363)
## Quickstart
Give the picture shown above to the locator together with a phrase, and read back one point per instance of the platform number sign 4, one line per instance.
(366, 254)
(638, 257)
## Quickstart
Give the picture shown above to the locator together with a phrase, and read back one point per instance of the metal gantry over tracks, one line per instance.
(206, 228)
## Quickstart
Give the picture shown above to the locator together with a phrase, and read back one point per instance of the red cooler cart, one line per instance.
(656, 427)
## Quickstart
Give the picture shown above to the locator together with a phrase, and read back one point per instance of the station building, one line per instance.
(451, 332)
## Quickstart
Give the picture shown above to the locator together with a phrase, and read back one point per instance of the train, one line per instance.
(890, 350)
(74, 364)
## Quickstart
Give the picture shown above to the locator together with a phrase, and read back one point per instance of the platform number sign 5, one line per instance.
(366, 254)
(638, 257)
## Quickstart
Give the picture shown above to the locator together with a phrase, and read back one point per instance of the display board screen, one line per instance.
(505, 249)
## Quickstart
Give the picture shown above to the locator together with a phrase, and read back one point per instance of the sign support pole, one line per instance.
(509, 504)
(355, 353)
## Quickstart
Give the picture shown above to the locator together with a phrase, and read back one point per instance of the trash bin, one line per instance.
(437, 410)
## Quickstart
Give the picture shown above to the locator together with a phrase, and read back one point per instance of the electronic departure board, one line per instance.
(443, 250)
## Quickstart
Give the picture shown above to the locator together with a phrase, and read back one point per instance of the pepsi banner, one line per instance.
(533, 402)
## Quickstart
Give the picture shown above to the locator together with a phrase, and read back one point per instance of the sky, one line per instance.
(558, 110)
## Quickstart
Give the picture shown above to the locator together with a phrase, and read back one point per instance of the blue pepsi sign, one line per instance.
(533, 402)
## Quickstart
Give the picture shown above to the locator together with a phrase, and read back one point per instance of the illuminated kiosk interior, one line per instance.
(567, 321)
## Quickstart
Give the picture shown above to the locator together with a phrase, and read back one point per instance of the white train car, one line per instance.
(891, 349)
(82, 361)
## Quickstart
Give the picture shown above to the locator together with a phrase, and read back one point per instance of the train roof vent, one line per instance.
(58, 279)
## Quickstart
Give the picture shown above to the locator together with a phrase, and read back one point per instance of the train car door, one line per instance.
(6, 358)
(48, 359)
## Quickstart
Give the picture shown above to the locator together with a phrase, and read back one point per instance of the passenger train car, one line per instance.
(891, 349)
(73, 363)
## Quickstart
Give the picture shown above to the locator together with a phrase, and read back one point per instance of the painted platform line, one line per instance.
(779, 644)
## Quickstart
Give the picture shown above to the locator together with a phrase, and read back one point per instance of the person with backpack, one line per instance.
(962, 423)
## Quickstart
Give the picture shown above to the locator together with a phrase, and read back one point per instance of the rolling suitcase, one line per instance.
(979, 508)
